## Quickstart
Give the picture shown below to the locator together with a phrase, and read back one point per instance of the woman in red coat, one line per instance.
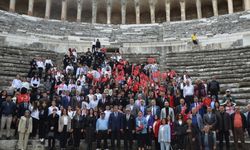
(156, 126)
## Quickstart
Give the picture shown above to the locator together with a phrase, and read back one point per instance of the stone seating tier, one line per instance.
(15, 61)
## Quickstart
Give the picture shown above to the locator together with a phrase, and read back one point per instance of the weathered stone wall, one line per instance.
(216, 32)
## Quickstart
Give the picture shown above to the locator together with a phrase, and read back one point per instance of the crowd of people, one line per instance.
(101, 99)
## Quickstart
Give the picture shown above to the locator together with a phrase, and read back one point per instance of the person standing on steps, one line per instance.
(214, 88)
(116, 127)
(24, 129)
(8, 109)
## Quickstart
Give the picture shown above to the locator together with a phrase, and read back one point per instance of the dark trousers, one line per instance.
(224, 134)
(42, 128)
(63, 137)
(239, 135)
(77, 137)
(51, 139)
(35, 124)
(189, 99)
(128, 139)
(157, 144)
(40, 72)
(31, 72)
(115, 135)
(102, 135)
(214, 93)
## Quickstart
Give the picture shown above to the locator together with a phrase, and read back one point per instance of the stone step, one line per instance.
(206, 59)
(212, 51)
(204, 56)
(192, 63)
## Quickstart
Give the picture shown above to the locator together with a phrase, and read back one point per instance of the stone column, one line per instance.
(47, 10)
(183, 10)
(230, 6)
(123, 10)
(215, 7)
(30, 7)
(152, 4)
(167, 7)
(12, 7)
(109, 11)
(137, 11)
(247, 4)
(64, 10)
(94, 10)
(198, 7)
(79, 11)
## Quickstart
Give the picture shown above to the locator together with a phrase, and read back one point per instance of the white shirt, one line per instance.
(99, 96)
(48, 61)
(50, 109)
(26, 85)
(40, 64)
(188, 90)
(107, 114)
(34, 113)
(68, 68)
(85, 105)
(65, 120)
(93, 104)
(16, 83)
(71, 86)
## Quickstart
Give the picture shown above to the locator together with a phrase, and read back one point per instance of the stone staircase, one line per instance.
(15, 61)
(230, 66)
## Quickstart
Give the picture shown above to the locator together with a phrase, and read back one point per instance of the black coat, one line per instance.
(211, 141)
(243, 119)
(130, 123)
(226, 126)
(53, 122)
(78, 123)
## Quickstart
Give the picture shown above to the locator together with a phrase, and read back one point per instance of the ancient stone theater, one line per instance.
(45, 46)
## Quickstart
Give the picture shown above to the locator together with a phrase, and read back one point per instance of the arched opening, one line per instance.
(160, 11)
(71, 11)
(101, 12)
(130, 12)
(207, 9)
(191, 10)
(56, 8)
(222, 7)
(87, 11)
(22, 6)
(116, 12)
(238, 5)
(39, 9)
(145, 13)
(175, 11)
(4, 5)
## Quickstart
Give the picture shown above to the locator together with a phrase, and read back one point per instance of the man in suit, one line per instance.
(115, 127)
(155, 109)
(133, 108)
(207, 140)
(66, 100)
(167, 111)
(247, 114)
(223, 127)
(198, 105)
(210, 120)
(103, 102)
(182, 108)
(129, 129)
(161, 100)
